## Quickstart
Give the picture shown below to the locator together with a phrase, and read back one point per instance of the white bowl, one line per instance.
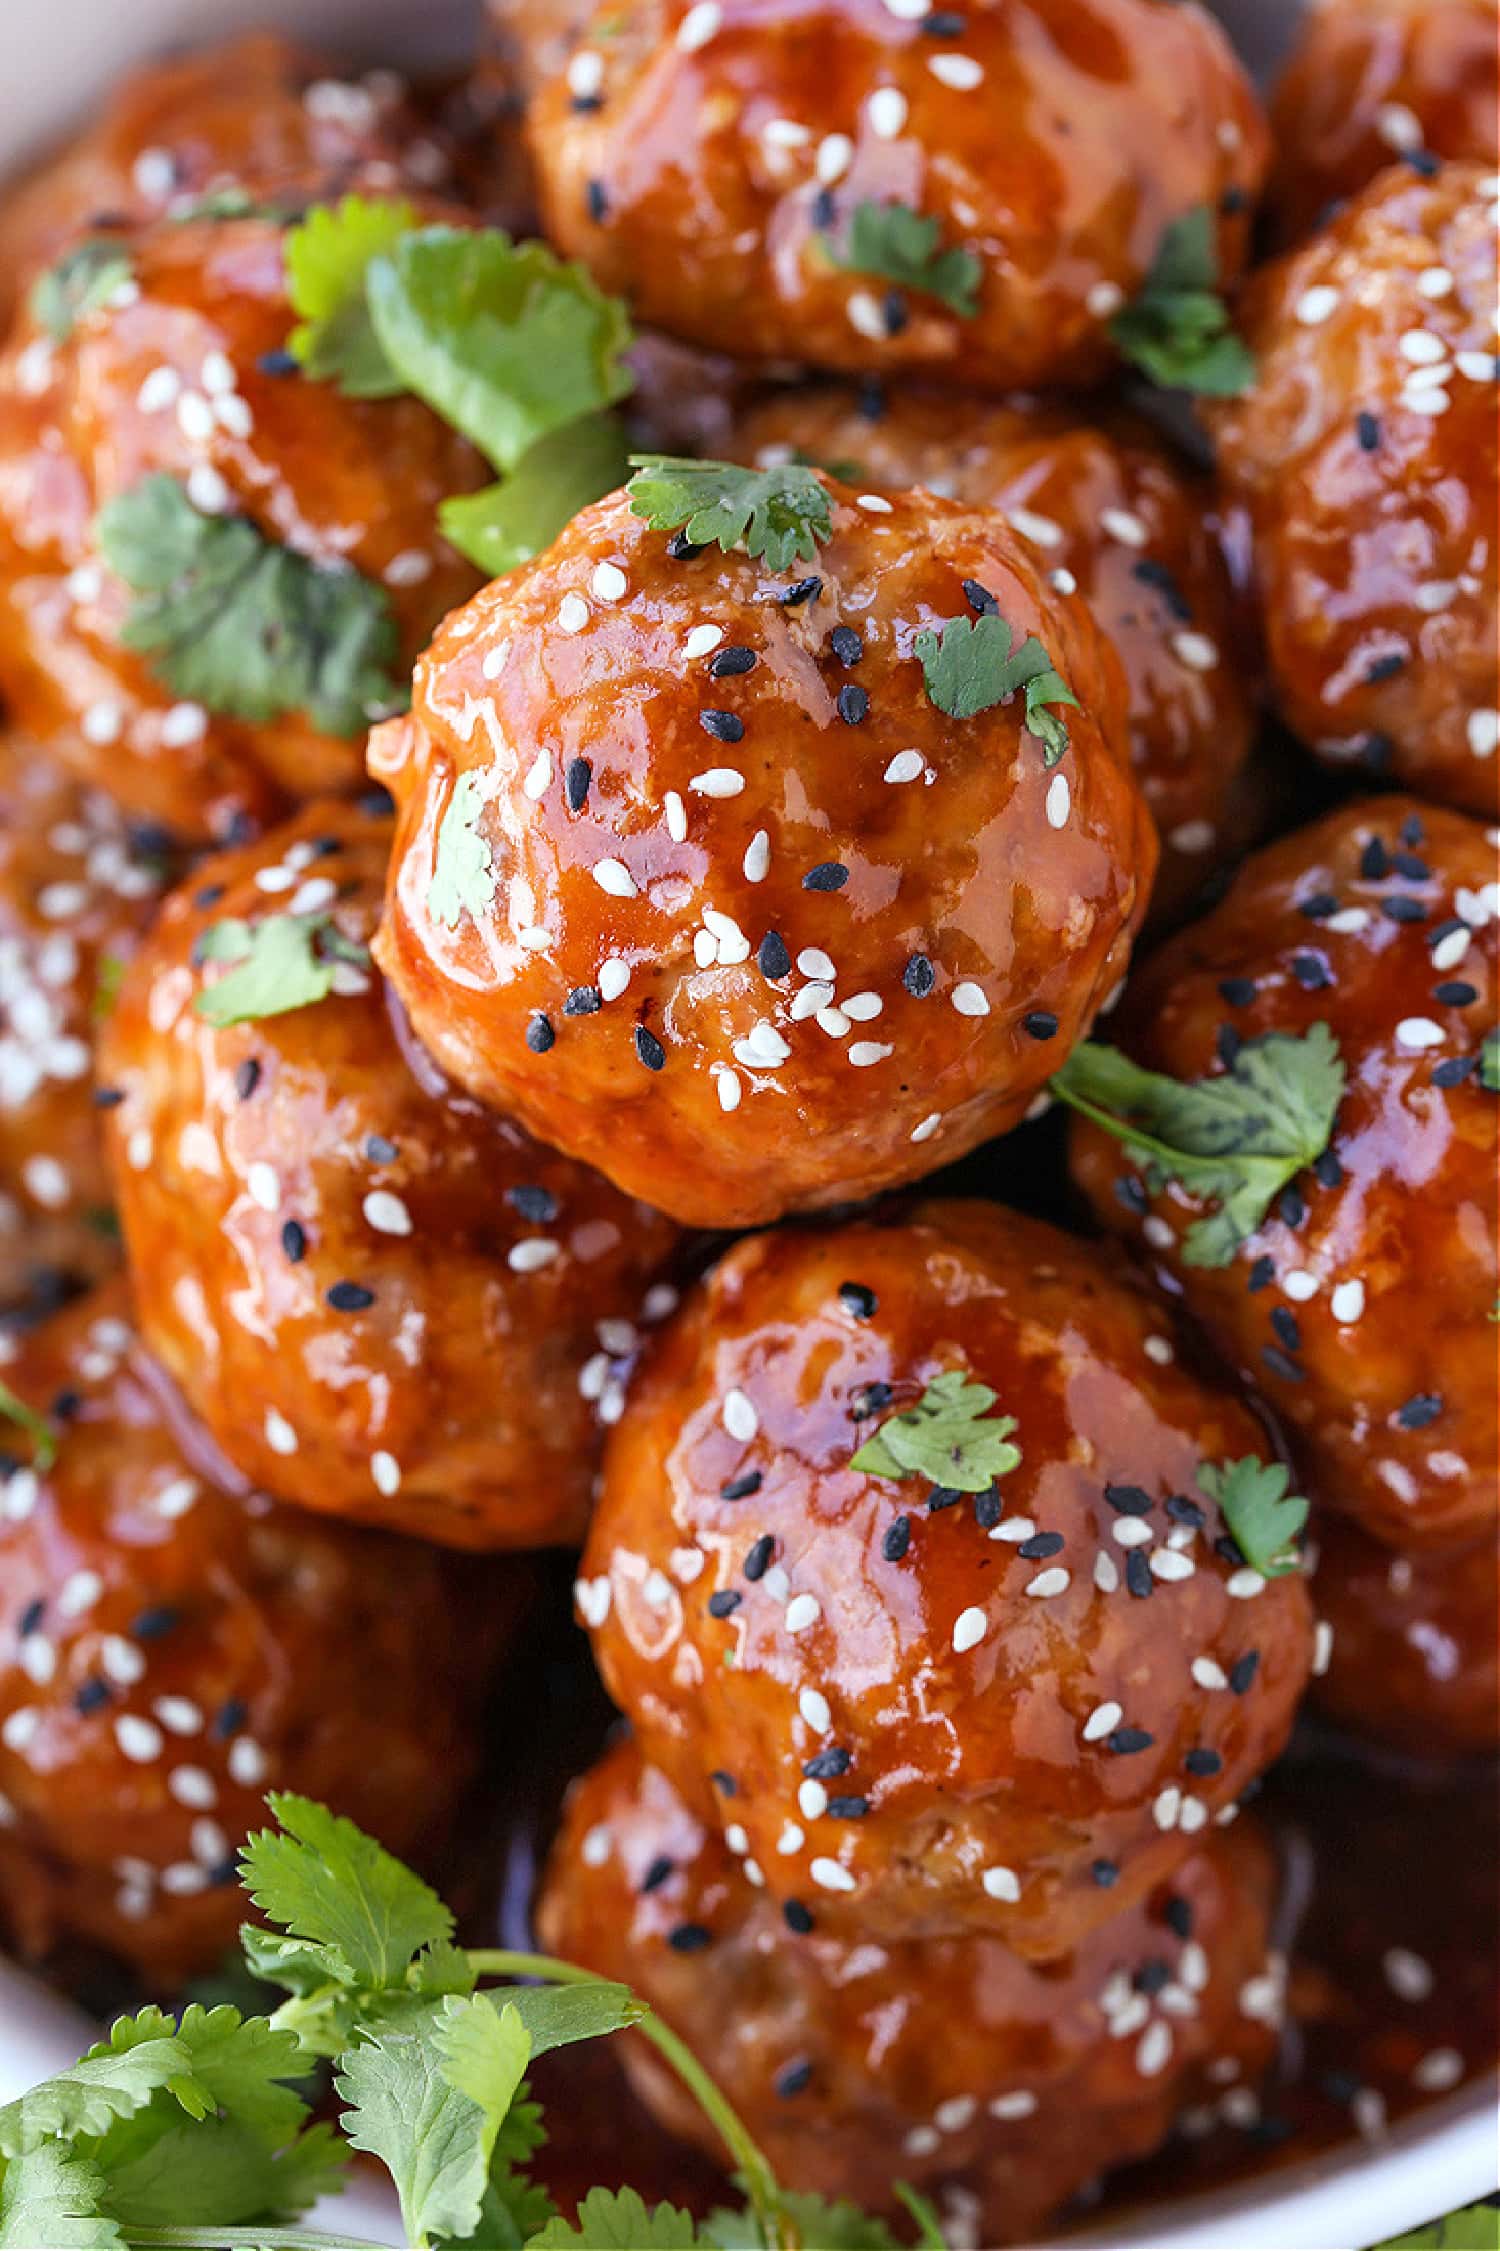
(55, 58)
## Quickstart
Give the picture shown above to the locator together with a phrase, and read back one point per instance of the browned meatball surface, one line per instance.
(694, 878)
(76, 889)
(1111, 514)
(730, 166)
(174, 1645)
(1413, 1655)
(1360, 1308)
(256, 115)
(995, 2085)
(1365, 455)
(930, 1710)
(1370, 81)
(384, 1301)
(183, 373)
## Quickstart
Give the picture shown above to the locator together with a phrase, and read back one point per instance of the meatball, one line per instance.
(1372, 80)
(76, 888)
(1412, 1659)
(257, 114)
(733, 169)
(173, 1644)
(1111, 513)
(949, 2063)
(1360, 1307)
(1365, 457)
(694, 877)
(383, 1301)
(929, 1710)
(183, 374)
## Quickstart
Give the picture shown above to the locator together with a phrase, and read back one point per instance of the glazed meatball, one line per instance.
(732, 169)
(173, 1645)
(950, 2063)
(183, 373)
(929, 1710)
(1412, 1659)
(1365, 456)
(76, 889)
(257, 115)
(1109, 512)
(1373, 80)
(1360, 1307)
(694, 878)
(384, 1301)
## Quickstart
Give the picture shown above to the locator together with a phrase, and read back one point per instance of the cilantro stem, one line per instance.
(761, 2185)
(253, 2238)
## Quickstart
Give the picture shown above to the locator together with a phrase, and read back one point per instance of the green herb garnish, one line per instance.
(37, 1428)
(463, 869)
(1264, 1518)
(974, 665)
(1475, 2228)
(82, 280)
(1177, 330)
(1238, 1138)
(232, 620)
(892, 242)
(1489, 1063)
(327, 258)
(944, 1438)
(506, 523)
(779, 513)
(284, 962)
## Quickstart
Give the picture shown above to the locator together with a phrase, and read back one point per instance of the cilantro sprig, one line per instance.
(1263, 1517)
(37, 1428)
(77, 284)
(1238, 1138)
(1177, 330)
(1475, 2228)
(780, 513)
(235, 621)
(948, 1437)
(972, 664)
(327, 258)
(282, 963)
(892, 242)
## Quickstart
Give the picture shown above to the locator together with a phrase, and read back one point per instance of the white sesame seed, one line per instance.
(886, 111)
(955, 2114)
(280, 1436)
(408, 568)
(385, 1473)
(538, 776)
(1398, 126)
(813, 962)
(532, 1253)
(159, 390)
(1103, 1720)
(207, 489)
(762, 1048)
(1483, 732)
(873, 504)
(906, 766)
(865, 1054)
(813, 1705)
(802, 1611)
(698, 26)
(960, 72)
(1408, 1975)
(1419, 1032)
(1121, 525)
(1166, 1806)
(830, 1876)
(1192, 836)
(193, 1786)
(1041, 530)
(79, 1592)
(263, 1185)
(728, 1087)
(1436, 596)
(1157, 1233)
(1316, 305)
(718, 781)
(969, 1628)
(1059, 799)
(386, 1213)
(1347, 1302)
(791, 1840)
(140, 1740)
(102, 723)
(572, 613)
(614, 877)
(970, 1000)
(609, 583)
(1104, 299)
(862, 1007)
(1300, 1285)
(1450, 950)
(1421, 348)
(195, 417)
(1159, 1350)
(1050, 1582)
(1208, 1674)
(1154, 2049)
(1021, 2104)
(739, 1417)
(598, 1843)
(247, 1762)
(1131, 1532)
(1438, 2070)
(785, 133)
(1170, 1563)
(1478, 367)
(585, 73)
(614, 976)
(926, 1127)
(812, 1800)
(1322, 1647)
(1244, 1585)
(835, 152)
(1349, 921)
(757, 860)
(1435, 282)
(1196, 651)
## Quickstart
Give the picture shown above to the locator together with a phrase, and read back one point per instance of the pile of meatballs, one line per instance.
(585, 1204)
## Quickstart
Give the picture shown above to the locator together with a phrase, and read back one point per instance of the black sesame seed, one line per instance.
(657, 1874)
(1327, 1170)
(1184, 1511)
(1202, 1762)
(919, 976)
(824, 209)
(846, 644)
(1261, 1273)
(153, 1623)
(1227, 1045)
(897, 1539)
(1178, 1916)
(828, 875)
(859, 1301)
(1161, 579)
(224, 1874)
(597, 202)
(1411, 866)
(294, 1241)
(584, 105)
(65, 1405)
(1423, 162)
(230, 1718)
(1239, 992)
(1138, 1575)
(1040, 1024)
(724, 1603)
(32, 1616)
(1384, 668)
(1318, 906)
(576, 783)
(1422, 1408)
(689, 1938)
(1130, 1193)
(804, 590)
(583, 1000)
(988, 1508)
(1105, 1873)
(848, 1809)
(894, 312)
(1375, 861)
(649, 1049)
(209, 895)
(1403, 909)
(724, 726)
(1291, 1206)
(379, 1150)
(278, 362)
(540, 1035)
(1455, 993)
(741, 1488)
(758, 1562)
(980, 598)
(853, 703)
(90, 1696)
(869, 1399)
(247, 1078)
(1128, 1500)
(1280, 1365)
(1041, 1545)
(681, 549)
(725, 1784)
(533, 1203)
(1124, 1740)
(1152, 1976)
(1227, 1549)
(730, 662)
(828, 1765)
(943, 1496)
(1284, 1322)
(108, 1097)
(771, 957)
(1367, 430)
(1311, 972)
(943, 23)
(1376, 752)
(349, 1297)
(1340, 2085)
(1243, 1671)
(796, 1917)
(792, 2079)
(1454, 1070)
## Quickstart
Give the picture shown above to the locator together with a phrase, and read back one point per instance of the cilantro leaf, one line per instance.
(1489, 1063)
(463, 867)
(929, 2228)
(236, 2177)
(325, 1881)
(230, 619)
(944, 1438)
(619, 2220)
(831, 2224)
(108, 2083)
(780, 513)
(504, 340)
(892, 242)
(236, 2065)
(283, 962)
(974, 665)
(1264, 1518)
(1177, 330)
(37, 1428)
(1475, 2228)
(328, 257)
(53, 2195)
(507, 523)
(1238, 1138)
(82, 280)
